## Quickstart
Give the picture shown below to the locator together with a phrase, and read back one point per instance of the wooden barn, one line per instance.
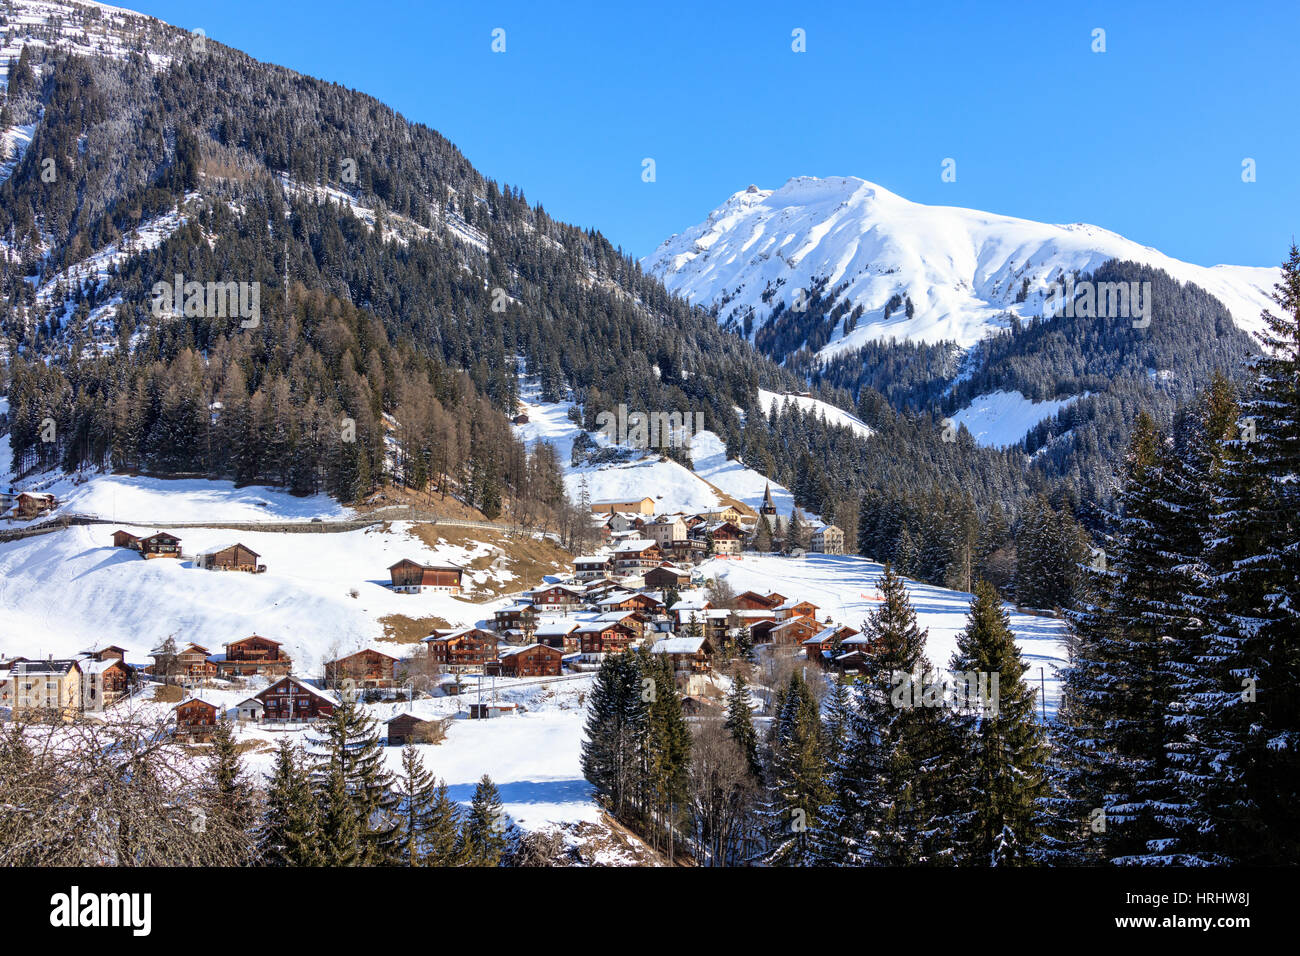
(253, 655)
(365, 668)
(666, 577)
(411, 577)
(33, 504)
(535, 660)
(291, 700)
(407, 728)
(235, 557)
(125, 539)
(160, 544)
(195, 718)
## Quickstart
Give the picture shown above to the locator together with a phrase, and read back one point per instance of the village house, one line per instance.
(516, 619)
(463, 651)
(33, 504)
(691, 550)
(828, 539)
(160, 544)
(636, 556)
(189, 662)
(46, 688)
(195, 719)
(687, 654)
(406, 728)
(560, 634)
(726, 514)
(665, 529)
(627, 523)
(634, 621)
(666, 577)
(640, 601)
(597, 639)
(592, 567)
(791, 632)
(753, 601)
(292, 700)
(252, 655)
(105, 678)
(794, 608)
(822, 645)
(235, 557)
(556, 596)
(364, 668)
(645, 506)
(535, 660)
(411, 577)
(727, 538)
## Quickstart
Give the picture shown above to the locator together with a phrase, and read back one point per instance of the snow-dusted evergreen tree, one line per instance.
(876, 813)
(740, 724)
(796, 778)
(289, 832)
(487, 830)
(616, 723)
(358, 807)
(1249, 720)
(429, 833)
(997, 768)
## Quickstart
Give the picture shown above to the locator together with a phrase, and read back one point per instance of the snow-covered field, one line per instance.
(64, 591)
(998, 419)
(844, 589)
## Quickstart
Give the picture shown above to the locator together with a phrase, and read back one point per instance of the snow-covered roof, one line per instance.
(634, 544)
(556, 628)
(678, 645)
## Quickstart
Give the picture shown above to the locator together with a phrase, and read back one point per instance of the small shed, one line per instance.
(406, 728)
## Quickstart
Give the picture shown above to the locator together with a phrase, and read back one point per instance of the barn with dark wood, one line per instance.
(234, 557)
(125, 539)
(410, 577)
(33, 504)
(407, 728)
(666, 577)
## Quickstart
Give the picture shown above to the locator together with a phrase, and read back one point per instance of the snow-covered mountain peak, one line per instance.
(905, 270)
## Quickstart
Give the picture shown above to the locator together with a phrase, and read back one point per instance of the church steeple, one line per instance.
(768, 507)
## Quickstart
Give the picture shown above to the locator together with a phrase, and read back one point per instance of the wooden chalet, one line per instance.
(600, 638)
(517, 617)
(791, 632)
(753, 601)
(33, 504)
(727, 538)
(556, 596)
(235, 557)
(822, 645)
(160, 544)
(196, 718)
(791, 609)
(535, 660)
(666, 577)
(462, 651)
(637, 556)
(631, 601)
(188, 662)
(688, 654)
(411, 577)
(253, 655)
(561, 634)
(291, 700)
(104, 681)
(364, 668)
(590, 567)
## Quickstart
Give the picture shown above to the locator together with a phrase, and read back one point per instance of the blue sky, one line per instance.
(1146, 139)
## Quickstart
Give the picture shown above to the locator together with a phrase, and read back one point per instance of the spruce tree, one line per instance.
(290, 826)
(359, 822)
(231, 793)
(740, 724)
(796, 776)
(487, 828)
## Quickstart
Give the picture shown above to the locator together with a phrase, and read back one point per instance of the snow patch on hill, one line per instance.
(829, 413)
(998, 419)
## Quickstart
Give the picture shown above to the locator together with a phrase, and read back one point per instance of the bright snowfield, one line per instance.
(962, 268)
(998, 419)
(673, 487)
(844, 588)
(68, 590)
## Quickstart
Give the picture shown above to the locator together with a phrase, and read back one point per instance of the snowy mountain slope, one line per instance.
(962, 269)
(829, 413)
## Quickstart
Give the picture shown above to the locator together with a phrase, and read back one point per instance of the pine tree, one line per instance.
(487, 828)
(740, 724)
(231, 794)
(417, 795)
(359, 824)
(997, 768)
(796, 776)
(668, 747)
(289, 831)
